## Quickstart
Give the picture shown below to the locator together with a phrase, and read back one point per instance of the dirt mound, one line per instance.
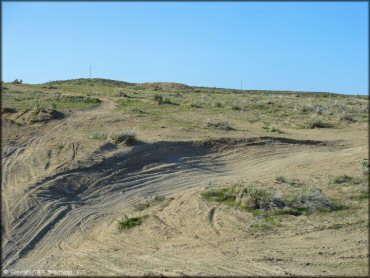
(90, 82)
(27, 117)
(218, 144)
(167, 86)
(63, 194)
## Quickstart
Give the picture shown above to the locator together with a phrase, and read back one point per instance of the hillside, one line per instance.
(104, 177)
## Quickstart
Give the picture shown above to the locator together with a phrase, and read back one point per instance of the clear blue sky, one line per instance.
(278, 46)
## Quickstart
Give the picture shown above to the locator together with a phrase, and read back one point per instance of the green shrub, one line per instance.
(311, 199)
(266, 223)
(291, 182)
(148, 203)
(84, 99)
(257, 198)
(130, 222)
(312, 108)
(346, 117)
(281, 179)
(39, 107)
(365, 166)
(6, 110)
(263, 200)
(121, 94)
(217, 104)
(126, 137)
(219, 195)
(142, 206)
(98, 136)
(362, 193)
(167, 100)
(219, 125)
(158, 99)
(342, 179)
(17, 81)
(272, 128)
(159, 199)
(347, 179)
(317, 122)
(236, 107)
(192, 105)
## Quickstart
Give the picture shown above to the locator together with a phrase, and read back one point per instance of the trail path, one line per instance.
(46, 218)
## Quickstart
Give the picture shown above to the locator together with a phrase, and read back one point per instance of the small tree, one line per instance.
(17, 81)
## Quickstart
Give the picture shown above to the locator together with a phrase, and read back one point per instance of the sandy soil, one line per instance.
(63, 195)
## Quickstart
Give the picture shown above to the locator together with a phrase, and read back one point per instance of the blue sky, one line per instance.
(279, 46)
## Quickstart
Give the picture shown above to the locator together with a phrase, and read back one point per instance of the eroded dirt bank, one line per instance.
(61, 207)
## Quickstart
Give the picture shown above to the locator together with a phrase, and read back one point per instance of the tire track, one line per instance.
(52, 212)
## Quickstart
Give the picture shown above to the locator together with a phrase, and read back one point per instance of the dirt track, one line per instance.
(64, 216)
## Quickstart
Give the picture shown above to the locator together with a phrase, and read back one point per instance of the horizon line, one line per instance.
(139, 83)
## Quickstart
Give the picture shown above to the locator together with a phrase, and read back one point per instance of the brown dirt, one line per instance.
(61, 204)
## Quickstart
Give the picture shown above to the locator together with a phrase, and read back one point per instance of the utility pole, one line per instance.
(90, 72)
(241, 85)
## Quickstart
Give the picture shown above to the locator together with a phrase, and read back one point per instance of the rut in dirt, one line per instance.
(53, 208)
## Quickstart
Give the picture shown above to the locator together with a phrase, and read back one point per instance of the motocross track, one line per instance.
(61, 204)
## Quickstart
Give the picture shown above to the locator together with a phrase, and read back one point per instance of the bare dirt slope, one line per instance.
(62, 198)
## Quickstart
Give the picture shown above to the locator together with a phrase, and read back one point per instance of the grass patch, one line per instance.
(30, 99)
(291, 182)
(47, 165)
(265, 224)
(281, 179)
(98, 136)
(365, 167)
(48, 154)
(257, 199)
(219, 125)
(122, 94)
(220, 195)
(346, 117)
(8, 110)
(344, 179)
(130, 222)
(192, 104)
(317, 122)
(236, 107)
(126, 137)
(311, 199)
(158, 99)
(83, 99)
(285, 109)
(272, 128)
(363, 195)
(217, 104)
(156, 200)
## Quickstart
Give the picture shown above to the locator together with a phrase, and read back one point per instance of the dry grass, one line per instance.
(98, 136)
(219, 125)
(130, 222)
(126, 137)
(249, 196)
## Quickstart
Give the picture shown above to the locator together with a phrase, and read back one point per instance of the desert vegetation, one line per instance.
(150, 202)
(126, 137)
(98, 135)
(250, 197)
(130, 222)
(147, 175)
(219, 125)
(293, 110)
